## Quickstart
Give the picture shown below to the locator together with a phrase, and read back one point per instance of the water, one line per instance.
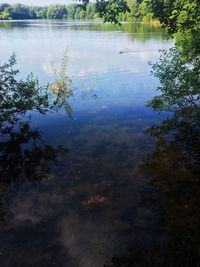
(89, 208)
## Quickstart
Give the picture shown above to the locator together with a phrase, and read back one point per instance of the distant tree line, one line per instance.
(128, 10)
(71, 11)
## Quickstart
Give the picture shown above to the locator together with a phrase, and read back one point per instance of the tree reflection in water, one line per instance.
(24, 156)
(174, 167)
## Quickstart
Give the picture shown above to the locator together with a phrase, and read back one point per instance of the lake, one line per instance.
(91, 208)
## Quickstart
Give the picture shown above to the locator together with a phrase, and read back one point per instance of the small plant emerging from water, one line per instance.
(62, 82)
(62, 87)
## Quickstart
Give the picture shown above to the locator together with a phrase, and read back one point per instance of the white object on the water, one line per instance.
(136, 51)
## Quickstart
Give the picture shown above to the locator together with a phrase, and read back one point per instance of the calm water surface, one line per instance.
(89, 210)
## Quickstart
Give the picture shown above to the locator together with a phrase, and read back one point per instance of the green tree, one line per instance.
(82, 14)
(4, 6)
(20, 11)
(56, 12)
(5, 14)
(110, 10)
(181, 18)
(41, 12)
(144, 12)
(79, 9)
(179, 83)
(71, 10)
(90, 10)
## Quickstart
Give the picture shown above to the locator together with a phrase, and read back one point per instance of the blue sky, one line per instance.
(37, 2)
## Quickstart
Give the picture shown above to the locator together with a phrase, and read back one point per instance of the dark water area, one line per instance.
(77, 190)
